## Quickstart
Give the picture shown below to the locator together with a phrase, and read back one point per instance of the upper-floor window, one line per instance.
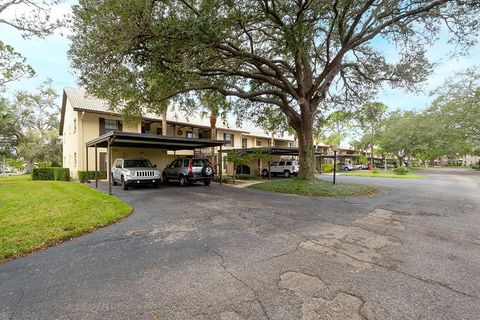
(189, 134)
(74, 159)
(107, 125)
(258, 142)
(228, 137)
(74, 125)
(244, 143)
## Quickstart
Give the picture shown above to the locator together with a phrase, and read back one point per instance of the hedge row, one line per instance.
(55, 173)
(402, 171)
(90, 175)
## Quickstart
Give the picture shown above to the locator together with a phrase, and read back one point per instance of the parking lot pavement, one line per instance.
(411, 252)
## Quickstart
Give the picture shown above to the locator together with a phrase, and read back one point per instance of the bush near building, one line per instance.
(90, 175)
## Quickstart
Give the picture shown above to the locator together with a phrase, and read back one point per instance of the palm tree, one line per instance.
(214, 104)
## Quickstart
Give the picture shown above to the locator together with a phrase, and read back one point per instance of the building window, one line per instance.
(228, 137)
(111, 125)
(290, 144)
(159, 131)
(74, 125)
(244, 143)
(74, 159)
(258, 142)
(189, 134)
(107, 125)
(269, 142)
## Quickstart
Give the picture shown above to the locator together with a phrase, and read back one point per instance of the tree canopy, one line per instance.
(32, 19)
(29, 126)
(450, 126)
(299, 57)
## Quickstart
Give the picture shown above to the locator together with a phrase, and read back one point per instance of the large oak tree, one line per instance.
(296, 56)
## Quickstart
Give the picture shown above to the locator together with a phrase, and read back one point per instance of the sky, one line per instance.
(49, 59)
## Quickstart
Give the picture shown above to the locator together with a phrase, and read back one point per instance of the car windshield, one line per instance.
(143, 163)
(199, 162)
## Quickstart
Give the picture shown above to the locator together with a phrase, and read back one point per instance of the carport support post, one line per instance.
(109, 166)
(320, 166)
(86, 162)
(96, 168)
(220, 155)
(269, 164)
(334, 165)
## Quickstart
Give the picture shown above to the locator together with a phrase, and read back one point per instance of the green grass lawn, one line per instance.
(382, 174)
(36, 214)
(314, 188)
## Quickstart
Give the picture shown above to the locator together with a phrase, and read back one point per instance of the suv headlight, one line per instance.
(129, 173)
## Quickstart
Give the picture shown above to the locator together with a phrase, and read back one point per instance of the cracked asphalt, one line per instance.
(410, 252)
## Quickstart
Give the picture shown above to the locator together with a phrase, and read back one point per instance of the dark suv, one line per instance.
(188, 170)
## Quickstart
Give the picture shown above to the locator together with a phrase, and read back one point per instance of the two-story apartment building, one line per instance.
(85, 118)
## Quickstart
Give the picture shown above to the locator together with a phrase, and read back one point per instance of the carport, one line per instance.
(147, 141)
(274, 151)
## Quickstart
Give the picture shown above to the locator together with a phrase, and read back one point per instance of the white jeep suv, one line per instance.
(286, 168)
(130, 172)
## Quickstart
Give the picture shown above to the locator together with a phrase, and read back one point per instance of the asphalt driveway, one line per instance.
(411, 252)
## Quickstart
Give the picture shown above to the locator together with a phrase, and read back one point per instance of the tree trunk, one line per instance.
(213, 129)
(306, 150)
(400, 160)
(29, 165)
(372, 159)
(164, 122)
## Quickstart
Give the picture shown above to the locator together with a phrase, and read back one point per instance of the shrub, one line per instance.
(83, 176)
(61, 174)
(375, 170)
(43, 174)
(401, 171)
(327, 168)
(246, 177)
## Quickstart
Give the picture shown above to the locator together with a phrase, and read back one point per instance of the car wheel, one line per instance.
(265, 173)
(183, 181)
(124, 184)
(286, 174)
(207, 182)
(114, 182)
(207, 171)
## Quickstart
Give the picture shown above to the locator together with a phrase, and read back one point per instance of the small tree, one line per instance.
(237, 158)
(369, 119)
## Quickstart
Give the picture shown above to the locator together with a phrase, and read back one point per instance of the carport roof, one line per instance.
(272, 150)
(142, 140)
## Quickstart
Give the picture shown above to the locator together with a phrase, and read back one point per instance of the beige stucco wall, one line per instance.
(70, 138)
(90, 129)
(156, 156)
